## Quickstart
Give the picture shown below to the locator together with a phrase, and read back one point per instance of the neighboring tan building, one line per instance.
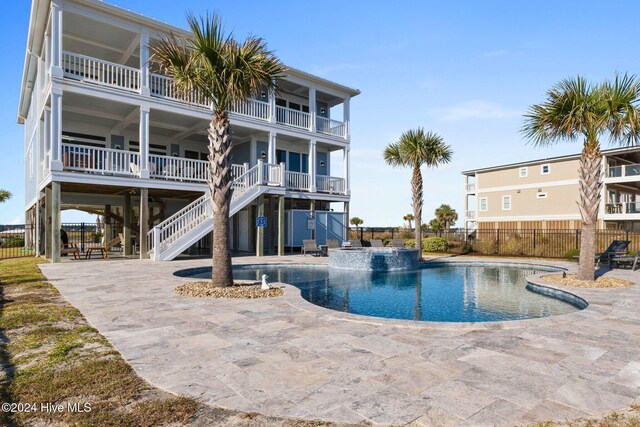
(106, 134)
(543, 194)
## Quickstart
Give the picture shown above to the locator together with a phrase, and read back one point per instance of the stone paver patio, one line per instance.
(287, 357)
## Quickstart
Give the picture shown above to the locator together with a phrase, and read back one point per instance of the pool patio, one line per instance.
(287, 357)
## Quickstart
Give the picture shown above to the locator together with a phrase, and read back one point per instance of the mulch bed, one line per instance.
(600, 282)
(203, 289)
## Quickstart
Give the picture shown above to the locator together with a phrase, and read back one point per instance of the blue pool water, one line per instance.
(443, 293)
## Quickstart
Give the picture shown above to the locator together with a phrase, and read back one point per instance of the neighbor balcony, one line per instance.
(622, 208)
(112, 162)
(92, 70)
(623, 171)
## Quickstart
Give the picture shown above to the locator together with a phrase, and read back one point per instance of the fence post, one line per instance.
(81, 237)
(372, 231)
(534, 240)
(361, 233)
(577, 238)
(156, 243)
(497, 240)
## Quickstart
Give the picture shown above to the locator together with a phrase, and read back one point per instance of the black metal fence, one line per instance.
(17, 240)
(507, 242)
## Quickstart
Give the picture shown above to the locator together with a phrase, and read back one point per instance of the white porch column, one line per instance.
(346, 118)
(271, 155)
(312, 109)
(56, 129)
(345, 163)
(56, 38)
(144, 64)
(272, 106)
(312, 166)
(144, 141)
(47, 140)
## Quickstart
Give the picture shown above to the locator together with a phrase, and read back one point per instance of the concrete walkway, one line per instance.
(287, 357)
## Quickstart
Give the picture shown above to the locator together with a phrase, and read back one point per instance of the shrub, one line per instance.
(485, 246)
(435, 244)
(512, 246)
(410, 243)
(13, 242)
(571, 253)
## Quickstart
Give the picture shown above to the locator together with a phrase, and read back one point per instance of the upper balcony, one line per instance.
(97, 71)
(621, 171)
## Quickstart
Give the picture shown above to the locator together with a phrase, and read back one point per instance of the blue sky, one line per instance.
(466, 70)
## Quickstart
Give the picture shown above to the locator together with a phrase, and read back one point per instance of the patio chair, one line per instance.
(631, 260)
(397, 243)
(71, 248)
(310, 247)
(376, 243)
(356, 243)
(617, 248)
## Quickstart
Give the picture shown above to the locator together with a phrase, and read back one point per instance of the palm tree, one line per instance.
(436, 225)
(414, 149)
(4, 195)
(447, 216)
(575, 109)
(408, 218)
(356, 221)
(225, 72)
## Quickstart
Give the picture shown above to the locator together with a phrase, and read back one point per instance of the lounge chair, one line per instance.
(310, 247)
(333, 244)
(617, 248)
(618, 260)
(356, 243)
(376, 243)
(397, 243)
(71, 248)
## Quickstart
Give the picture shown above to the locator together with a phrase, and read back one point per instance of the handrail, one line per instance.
(330, 126)
(294, 118)
(100, 160)
(252, 108)
(165, 87)
(298, 180)
(178, 168)
(330, 184)
(99, 71)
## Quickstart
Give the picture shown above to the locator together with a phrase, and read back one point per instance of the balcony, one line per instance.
(92, 70)
(623, 170)
(623, 208)
(470, 215)
(471, 188)
(111, 162)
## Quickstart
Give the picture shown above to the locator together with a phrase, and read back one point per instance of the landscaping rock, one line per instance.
(240, 289)
(600, 282)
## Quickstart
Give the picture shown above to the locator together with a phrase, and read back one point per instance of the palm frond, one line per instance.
(621, 97)
(392, 155)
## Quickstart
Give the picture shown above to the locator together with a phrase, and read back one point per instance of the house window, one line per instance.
(524, 172)
(541, 195)
(506, 203)
(545, 169)
(484, 204)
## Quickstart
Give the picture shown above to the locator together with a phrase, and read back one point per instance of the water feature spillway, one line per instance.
(374, 259)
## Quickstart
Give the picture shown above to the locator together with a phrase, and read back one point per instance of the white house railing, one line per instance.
(330, 127)
(470, 188)
(470, 214)
(106, 73)
(165, 87)
(330, 184)
(252, 108)
(178, 168)
(297, 180)
(180, 223)
(623, 170)
(295, 118)
(100, 160)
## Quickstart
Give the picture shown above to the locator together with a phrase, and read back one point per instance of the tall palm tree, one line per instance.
(224, 71)
(575, 109)
(408, 218)
(4, 195)
(414, 149)
(447, 215)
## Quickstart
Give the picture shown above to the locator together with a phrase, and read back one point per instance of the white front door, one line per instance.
(243, 231)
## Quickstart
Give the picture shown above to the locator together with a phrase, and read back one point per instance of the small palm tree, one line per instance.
(414, 149)
(576, 109)
(436, 225)
(225, 72)
(4, 195)
(408, 218)
(357, 222)
(447, 216)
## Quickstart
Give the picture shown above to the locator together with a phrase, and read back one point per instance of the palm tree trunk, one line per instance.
(220, 188)
(416, 202)
(590, 173)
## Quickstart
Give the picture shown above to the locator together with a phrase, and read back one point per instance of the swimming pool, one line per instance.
(437, 292)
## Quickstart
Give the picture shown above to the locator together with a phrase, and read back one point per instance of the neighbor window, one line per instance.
(506, 203)
(483, 204)
(524, 172)
(545, 169)
(541, 195)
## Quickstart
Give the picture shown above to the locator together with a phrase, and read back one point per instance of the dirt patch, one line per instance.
(204, 289)
(600, 282)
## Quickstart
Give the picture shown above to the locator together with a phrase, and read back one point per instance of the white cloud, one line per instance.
(470, 110)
